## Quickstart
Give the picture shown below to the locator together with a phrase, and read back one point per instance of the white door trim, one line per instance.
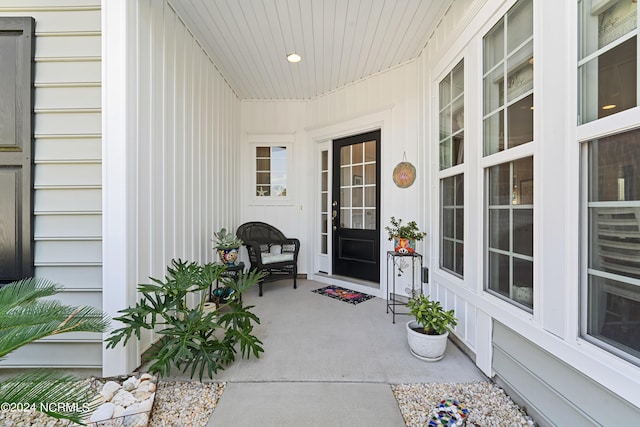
(323, 134)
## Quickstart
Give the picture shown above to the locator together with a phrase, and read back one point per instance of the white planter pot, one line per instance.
(430, 348)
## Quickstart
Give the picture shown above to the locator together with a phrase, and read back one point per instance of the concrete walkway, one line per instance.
(307, 404)
(327, 363)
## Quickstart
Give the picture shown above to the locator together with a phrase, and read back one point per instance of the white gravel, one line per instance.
(487, 403)
(191, 403)
(185, 403)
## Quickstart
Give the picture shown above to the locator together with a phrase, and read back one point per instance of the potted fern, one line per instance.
(428, 332)
(227, 244)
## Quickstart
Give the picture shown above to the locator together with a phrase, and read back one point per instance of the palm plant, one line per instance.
(24, 318)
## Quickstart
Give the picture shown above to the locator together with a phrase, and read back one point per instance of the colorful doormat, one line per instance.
(346, 295)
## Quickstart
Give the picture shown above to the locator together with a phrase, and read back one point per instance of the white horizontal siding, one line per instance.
(52, 252)
(77, 277)
(68, 72)
(66, 98)
(67, 124)
(56, 355)
(51, 227)
(70, 19)
(68, 175)
(68, 46)
(79, 297)
(58, 201)
(33, 5)
(66, 149)
(69, 121)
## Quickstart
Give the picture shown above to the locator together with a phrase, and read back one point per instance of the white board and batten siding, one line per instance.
(67, 174)
(180, 158)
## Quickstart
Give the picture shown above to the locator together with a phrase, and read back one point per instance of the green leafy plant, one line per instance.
(226, 240)
(195, 338)
(24, 318)
(430, 315)
(408, 231)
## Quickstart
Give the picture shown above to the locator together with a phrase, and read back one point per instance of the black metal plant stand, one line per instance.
(232, 271)
(395, 300)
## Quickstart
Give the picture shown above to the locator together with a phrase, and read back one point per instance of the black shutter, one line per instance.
(16, 147)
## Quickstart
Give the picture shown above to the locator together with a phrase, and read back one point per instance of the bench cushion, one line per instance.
(268, 258)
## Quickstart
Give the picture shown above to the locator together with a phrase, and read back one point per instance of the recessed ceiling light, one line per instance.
(294, 57)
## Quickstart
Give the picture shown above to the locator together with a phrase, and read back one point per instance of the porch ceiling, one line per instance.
(340, 41)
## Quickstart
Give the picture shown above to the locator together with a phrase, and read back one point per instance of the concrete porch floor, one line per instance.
(327, 363)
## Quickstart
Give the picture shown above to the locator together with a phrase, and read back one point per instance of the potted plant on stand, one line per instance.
(404, 236)
(227, 245)
(428, 333)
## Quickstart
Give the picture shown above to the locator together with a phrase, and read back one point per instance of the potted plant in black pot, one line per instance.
(404, 236)
(227, 244)
(428, 332)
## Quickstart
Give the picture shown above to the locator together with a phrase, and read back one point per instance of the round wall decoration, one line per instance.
(404, 174)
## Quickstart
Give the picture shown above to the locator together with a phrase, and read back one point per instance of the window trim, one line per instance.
(271, 140)
(601, 128)
(506, 156)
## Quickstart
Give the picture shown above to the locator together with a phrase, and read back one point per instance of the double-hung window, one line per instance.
(608, 61)
(451, 147)
(608, 81)
(508, 123)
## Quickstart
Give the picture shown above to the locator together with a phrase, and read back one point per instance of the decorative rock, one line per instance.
(123, 398)
(131, 383)
(133, 409)
(145, 377)
(109, 389)
(141, 395)
(130, 403)
(104, 412)
(144, 386)
(118, 411)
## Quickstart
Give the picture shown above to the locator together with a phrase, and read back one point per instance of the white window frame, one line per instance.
(616, 124)
(599, 6)
(504, 157)
(271, 140)
(454, 169)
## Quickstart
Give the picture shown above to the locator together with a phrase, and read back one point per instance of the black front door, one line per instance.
(355, 206)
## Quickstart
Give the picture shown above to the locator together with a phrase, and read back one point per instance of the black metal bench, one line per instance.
(270, 251)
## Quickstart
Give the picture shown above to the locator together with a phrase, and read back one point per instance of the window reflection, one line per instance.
(608, 75)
